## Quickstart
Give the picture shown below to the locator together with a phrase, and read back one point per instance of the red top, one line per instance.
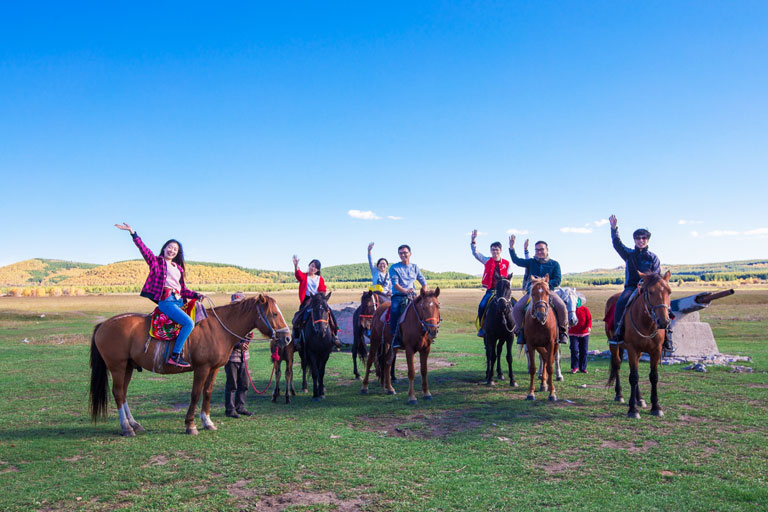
(301, 277)
(488, 272)
(584, 323)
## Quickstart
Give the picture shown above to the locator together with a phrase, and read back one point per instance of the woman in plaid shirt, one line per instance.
(165, 286)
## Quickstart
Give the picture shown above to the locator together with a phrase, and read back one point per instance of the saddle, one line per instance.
(164, 329)
(481, 318)
(385, 317)
(611, 313)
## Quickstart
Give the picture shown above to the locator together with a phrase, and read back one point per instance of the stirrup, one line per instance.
(176, 360)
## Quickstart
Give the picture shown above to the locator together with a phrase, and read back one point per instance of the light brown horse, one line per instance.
(645, 323)
(122, 344)
(418, 329)
(540, 333)
(285, 349)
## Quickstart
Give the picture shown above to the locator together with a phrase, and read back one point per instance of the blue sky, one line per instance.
(254, 132)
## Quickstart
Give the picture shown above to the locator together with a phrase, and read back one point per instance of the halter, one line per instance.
(651, 313)
(424, 322)
(375, 306)
(532, 309)
(317, 321)
(507, 305)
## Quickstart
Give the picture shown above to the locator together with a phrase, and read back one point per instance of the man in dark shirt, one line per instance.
(638, 259)
(539, 266)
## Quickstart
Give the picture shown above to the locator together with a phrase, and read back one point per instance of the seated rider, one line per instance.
(380, 277)
(403, 274)
(539, 266)
(639, 259)
(496, 267)
(310, 284)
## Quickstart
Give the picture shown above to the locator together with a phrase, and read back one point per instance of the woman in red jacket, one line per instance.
(310, 284)
(165, 286)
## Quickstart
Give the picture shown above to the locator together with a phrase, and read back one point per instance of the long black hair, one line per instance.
(179, 258)
(317, 265)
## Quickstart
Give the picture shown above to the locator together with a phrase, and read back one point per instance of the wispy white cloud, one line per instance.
(683, 222)
(695, 234)
(365, 215)
(392, 217)
(723, 232)
(757, 232)
(601, 222)
(514, 231)
(579, 231)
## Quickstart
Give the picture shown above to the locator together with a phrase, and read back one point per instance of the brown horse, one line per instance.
(362, 319)
(122, 344)
(645, 323)
(540, 333)
(418, 329)
(285, 350)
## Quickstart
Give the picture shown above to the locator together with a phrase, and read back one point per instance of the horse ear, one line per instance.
(509, 276)
(437, 292)
(328, 296)
(639, 274)
(546, 278)
(667, 275)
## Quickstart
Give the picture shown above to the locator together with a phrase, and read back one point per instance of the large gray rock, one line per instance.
(343, 312)
(692, 337)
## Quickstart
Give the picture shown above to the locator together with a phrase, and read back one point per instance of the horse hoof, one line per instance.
(490, 383)
(513, 384)
(499, 377)
(394, 379)
(305, 390)
(633, 414)
(211, 427)
(363, 391)
(657, 412)
(322, 397)
(412, 401)
(391, 392)
(559, 378)
(128, 433)
(427, 397)
(138, 428)
(530, 397)
(642, 404)
(315, 398)
(619, 399)
(287, 400)
(543, 388)
(552, 398)
(274, 399)
(192, 431)
(357, 377)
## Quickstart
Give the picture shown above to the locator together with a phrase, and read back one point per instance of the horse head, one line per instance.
(368, 305)
(540, 298)
(570, 298)
(269, 319)
(655, 290)
(428, 310)
(320, 314)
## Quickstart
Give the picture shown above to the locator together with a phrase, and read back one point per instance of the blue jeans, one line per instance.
(171, 307)
(484, 302)
(579, 347)
(395, 310)
(621, 305)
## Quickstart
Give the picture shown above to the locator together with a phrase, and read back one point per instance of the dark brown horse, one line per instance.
(317, 343)
(362, 319)
(645, 323)
(418, 329)
(540, 333)
(284, 348)
(122, 344)
(499, 326)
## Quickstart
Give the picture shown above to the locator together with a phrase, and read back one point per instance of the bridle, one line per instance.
(427, 323)
(538, 303)
(652, 313)
(320, 321)
(272, 331)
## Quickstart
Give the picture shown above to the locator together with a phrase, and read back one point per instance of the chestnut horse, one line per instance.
(540, 333)
(362, 321)
(499, 326)
(645, 323)
(284, 348)
(418, 329)
(122, 344)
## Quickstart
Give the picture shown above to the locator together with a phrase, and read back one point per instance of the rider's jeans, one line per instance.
(484, 302)
(396, 309)
(171, 307)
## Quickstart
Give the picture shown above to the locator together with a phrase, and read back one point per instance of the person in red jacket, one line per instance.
(579, 335)
(495, 268)
(310, 283)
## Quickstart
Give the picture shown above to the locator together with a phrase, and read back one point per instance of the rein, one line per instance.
(651, 313)
(263, 317)
(425, 325)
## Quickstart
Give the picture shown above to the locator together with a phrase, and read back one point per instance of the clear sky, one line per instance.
(252, 132)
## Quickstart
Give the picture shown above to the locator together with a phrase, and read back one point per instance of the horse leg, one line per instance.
(654, 377)
(617, 354)
(558, 373)
(423, 357)
(550, 374)
(409, 354)
(135, 425)
(489, 352)
(289, 378)
(531, 353)
(368, 364)
(205, 409)
(499, 349)
(304, 364)
(634, 379)
(542, 369)
(322, 376)
(512, 381)
(392, 377)
(118, 391)
(198, 381)
(314, 366)
(278, 374)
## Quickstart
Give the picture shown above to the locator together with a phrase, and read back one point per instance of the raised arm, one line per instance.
(473, 245)
(146, 253)
(620, 248)
(370, 259)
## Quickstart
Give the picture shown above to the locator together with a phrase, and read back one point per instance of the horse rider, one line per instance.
(539, 266)
(165, 286)
(310, 284)
(494, 269)
(403, 274)
(382, 283)
(638, 259)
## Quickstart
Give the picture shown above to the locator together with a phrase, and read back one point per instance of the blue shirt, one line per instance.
(405, 276)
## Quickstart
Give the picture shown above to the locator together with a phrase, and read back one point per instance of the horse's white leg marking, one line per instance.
(207, 423)
(128, 414)
(125, 425)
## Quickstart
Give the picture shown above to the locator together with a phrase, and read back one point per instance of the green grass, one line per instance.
(471, 448)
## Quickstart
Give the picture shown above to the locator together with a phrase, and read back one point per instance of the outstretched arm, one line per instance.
(146, 253)
(473, 245)
(620, 248)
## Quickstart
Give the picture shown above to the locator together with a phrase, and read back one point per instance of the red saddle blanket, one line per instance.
(165, 329)
(609, 317)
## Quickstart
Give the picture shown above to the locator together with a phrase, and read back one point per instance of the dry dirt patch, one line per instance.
(420, 425)
(561, 466)
(630, 447)
(295, 497)
(433, 363)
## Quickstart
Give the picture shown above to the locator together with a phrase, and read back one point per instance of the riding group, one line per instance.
(392, 314)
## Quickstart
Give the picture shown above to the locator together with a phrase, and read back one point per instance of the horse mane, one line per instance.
(541, 280)
(652, 278)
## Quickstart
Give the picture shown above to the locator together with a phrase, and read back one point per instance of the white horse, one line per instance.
(571, 298)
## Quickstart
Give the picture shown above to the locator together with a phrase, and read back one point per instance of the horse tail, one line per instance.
(99, 381)
(362, 351)
(615, 365)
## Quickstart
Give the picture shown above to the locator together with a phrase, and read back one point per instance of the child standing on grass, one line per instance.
(579, 335)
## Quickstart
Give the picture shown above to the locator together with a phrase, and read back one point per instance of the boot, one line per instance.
(520, 339)
(563, 337)
(481, 333)
(618, 336)
(668, 345)
(396, 340)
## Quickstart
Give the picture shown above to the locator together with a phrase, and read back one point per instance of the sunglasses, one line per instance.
(641, 238)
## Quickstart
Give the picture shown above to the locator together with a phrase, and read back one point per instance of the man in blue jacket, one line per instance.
(638, 259)
(539, 266)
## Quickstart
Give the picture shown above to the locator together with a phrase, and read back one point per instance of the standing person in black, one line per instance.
(236, 371)
(638, 259)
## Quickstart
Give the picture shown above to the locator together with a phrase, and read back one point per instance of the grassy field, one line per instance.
(471, 448)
